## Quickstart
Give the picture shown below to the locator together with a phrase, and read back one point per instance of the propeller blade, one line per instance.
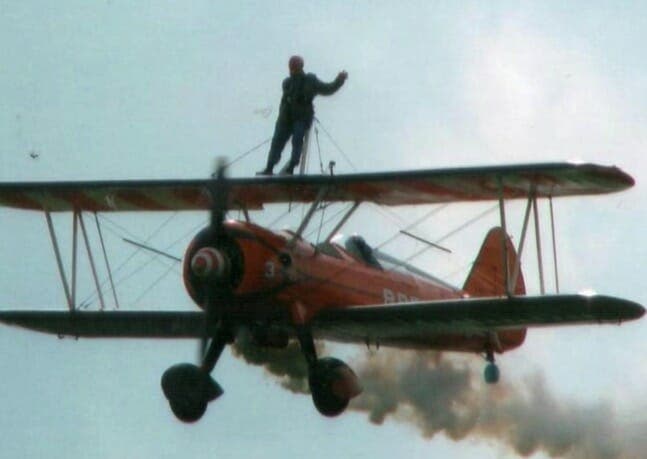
(210, 308)
(202, 349)
(219, 197)
(216, 291)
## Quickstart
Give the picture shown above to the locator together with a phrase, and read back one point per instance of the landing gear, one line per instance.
(189, 388)
(491, 372)
(332, 382)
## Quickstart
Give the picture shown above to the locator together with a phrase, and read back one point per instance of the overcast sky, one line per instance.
(110, 90)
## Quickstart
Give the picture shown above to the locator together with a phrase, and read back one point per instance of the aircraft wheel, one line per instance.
(491, 373)
(188, 390)
(332, 384)
(187, 410)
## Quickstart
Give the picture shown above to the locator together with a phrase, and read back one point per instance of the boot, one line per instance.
(267, 171)
(288, 169)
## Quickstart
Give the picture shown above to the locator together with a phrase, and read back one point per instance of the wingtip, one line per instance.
(625, 178)
(623, 309)
(622, 178)
(637, 310)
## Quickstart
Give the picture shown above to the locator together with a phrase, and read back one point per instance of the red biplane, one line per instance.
(276, 286)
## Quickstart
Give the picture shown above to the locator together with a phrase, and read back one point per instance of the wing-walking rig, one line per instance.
(278, 287)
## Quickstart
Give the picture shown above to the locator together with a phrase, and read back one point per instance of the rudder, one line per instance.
(488, 272)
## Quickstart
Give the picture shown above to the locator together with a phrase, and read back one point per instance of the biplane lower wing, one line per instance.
(354, 324)
(479, 316)
(383, 188)
(111, 324)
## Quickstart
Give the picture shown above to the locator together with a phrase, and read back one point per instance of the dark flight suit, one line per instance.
(296, 114)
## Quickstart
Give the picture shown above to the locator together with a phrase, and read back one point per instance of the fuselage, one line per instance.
(279, 276)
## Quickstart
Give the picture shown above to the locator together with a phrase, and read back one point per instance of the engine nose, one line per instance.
(209, 262)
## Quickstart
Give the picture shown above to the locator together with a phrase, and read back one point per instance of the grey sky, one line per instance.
(110, 90)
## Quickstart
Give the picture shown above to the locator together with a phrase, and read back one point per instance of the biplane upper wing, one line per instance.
(390, 322)
(384, 188)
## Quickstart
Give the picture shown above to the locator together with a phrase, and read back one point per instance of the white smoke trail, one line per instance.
(439, 393)
(443, 394)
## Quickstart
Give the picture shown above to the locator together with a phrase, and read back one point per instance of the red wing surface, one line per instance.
(389, 188)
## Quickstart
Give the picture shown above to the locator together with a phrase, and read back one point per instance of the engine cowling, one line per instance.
(208, 260)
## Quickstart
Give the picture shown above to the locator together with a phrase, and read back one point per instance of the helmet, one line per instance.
(295, 64)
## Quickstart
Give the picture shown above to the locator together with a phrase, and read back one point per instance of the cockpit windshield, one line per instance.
(356, 246)
(359, 249)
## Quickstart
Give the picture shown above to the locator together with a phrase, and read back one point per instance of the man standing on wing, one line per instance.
(296, 112)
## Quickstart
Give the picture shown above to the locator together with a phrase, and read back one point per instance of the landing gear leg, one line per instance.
(491, 373)
(331, 381)
(214, 350)
(307, 345)
(190, 388)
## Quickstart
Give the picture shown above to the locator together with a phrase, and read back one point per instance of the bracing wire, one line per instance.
(154, 284)
(448, 235)
(124, 230)
(391, 215)
(335, 144)
(282, 216)
(243, 155)
(119, 230)
(468, 223)
(186, 234)
(414, 224)
(90, 298)
(321, 168)
(328, 220)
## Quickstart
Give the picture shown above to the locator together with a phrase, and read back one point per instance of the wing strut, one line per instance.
(304, 223)
(59, 262)
(522, 240)
(105, 257)
(75, 251)
(342, 221)
(506, 268)
(542, 285)
(91, 260)
(511, 273)
(552, 229)
(70, 287)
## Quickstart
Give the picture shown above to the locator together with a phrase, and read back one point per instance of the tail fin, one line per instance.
(487, 277)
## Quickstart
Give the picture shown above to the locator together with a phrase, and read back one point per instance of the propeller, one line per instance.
(210, 263)
(219, 193)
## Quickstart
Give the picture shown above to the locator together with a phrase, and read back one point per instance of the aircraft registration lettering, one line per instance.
(397, 297)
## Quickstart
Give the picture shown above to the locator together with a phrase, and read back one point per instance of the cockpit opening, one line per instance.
(357, 246)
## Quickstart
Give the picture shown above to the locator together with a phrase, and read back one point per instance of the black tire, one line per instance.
(321, 379)
(188, 410)
(188, 390)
